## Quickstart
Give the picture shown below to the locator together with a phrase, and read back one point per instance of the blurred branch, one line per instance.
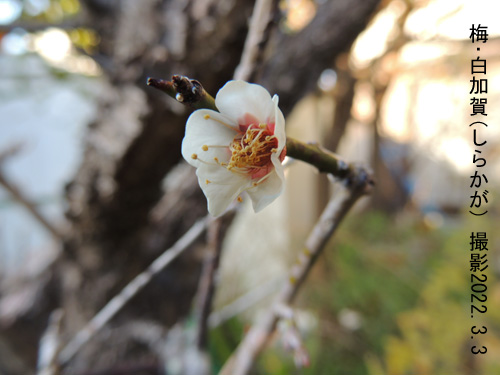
(127, 369)
(244, 302)
(342, 96)
(300, 58)
(391, 195)
(19, 196)
(215, 236)
(50, 346)
(241, 362)
(257, 38)
(137, 284)
(10, 151)
(10, 361)
(206, 288)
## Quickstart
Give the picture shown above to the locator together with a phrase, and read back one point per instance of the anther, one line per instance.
(204, 147)
(240, 199)
(179, 97)
(194, 156)
(208, 182)
(206, 117)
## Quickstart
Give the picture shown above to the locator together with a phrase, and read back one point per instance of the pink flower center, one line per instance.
(251, 151)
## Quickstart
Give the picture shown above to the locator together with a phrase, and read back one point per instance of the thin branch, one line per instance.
(241, 362)
(208, 281)
(257, 38)
(324, 160)
(244, 302)
(19, 197)
(356, 181)
(50, 346)
(184, 90)
(137, 284)
(10, 151)
(206, 287)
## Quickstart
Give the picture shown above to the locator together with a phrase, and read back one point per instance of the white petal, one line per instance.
(208, 131)
(279, 125)
(223, 186)
(238, 98)
(267, 191)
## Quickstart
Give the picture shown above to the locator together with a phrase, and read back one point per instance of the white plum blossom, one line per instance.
(239, 149)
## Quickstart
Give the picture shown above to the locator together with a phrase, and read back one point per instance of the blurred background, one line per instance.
(93, 188)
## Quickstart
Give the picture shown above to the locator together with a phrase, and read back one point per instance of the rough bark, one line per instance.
(298, 60)
(121, 219)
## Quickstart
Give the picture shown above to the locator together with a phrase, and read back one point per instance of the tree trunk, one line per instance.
(121, 216)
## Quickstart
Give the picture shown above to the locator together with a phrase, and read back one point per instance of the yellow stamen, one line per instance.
(252, 151)
(240, 199)
(194, 156)
(204, 148)
(208, 182)
(207, 117)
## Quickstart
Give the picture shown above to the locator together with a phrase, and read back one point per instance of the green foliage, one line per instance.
(435, 335)
(375, 276)
(392, 297)
(223, 341)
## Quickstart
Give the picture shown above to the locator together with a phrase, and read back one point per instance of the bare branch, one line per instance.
(241, 362)
(325, 161)
(137, 284)
(206, 286)
(244, 302)
(299, 59)
(257, 38)
(20, 198)
(50, 346)
(184, 90)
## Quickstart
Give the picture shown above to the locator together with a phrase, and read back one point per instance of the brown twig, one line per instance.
(258, 35)
(184, 90)
(341, 202)
(208, 281)
(324, 160)
(356, 182)
(20, 198)
(206, 286)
